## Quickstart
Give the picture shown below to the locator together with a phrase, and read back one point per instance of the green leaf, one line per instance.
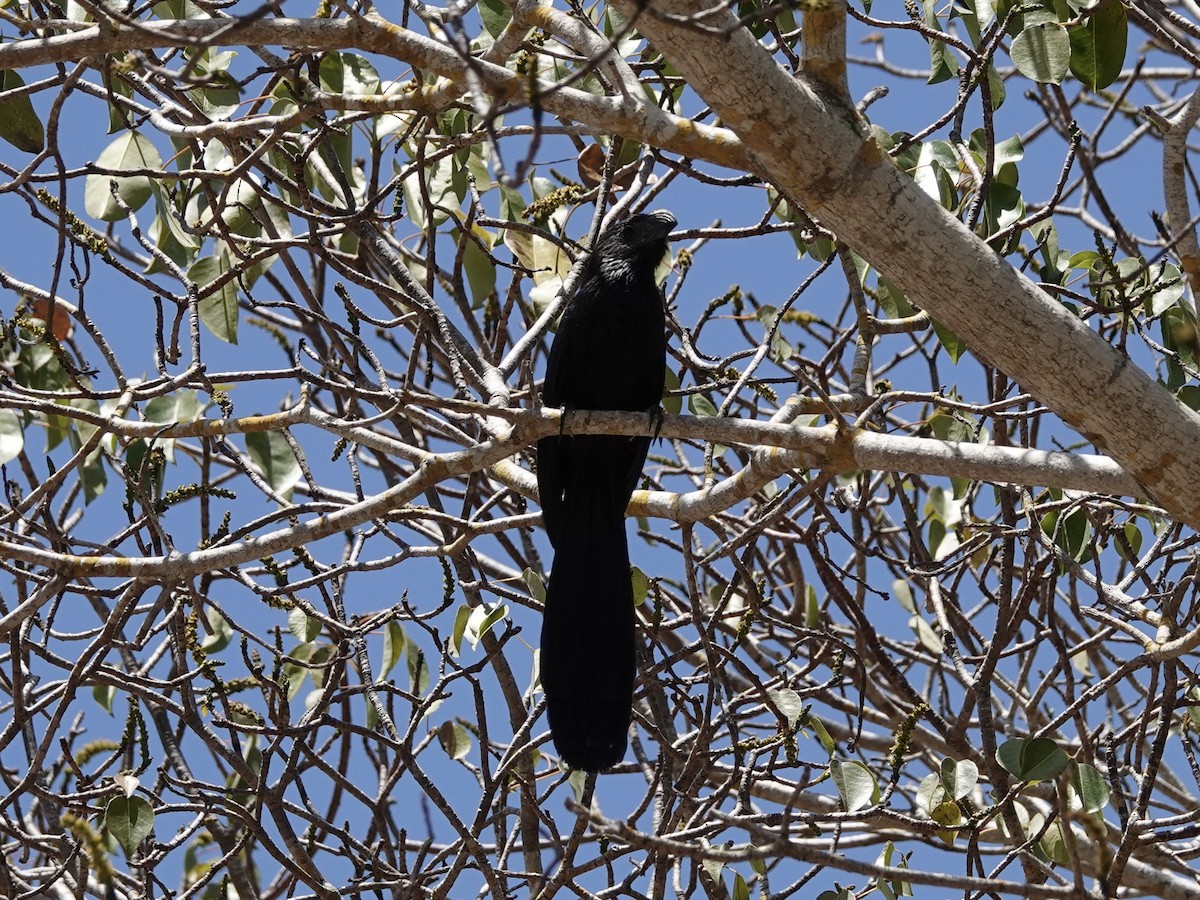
(1133, 534)
(928, 638)
(296, 672)
(219, 633)
(828, 744)
(545, 257)
(240, 201)
(943, 523)
(1054, 845)
(302, 626)
(576, 781)
(495, 15)
(671, 405)
(1166, 289)
(1004, 204)
(12, 436)
(812, 607)
(953, 345)
(274, 459)
(902, 591)
(1179, 334)
(855, 784)
(481, 273)
(129, 820)
(220, 95)
(348, 73)
(482, 619)
(892, 300)
(959, 777)
(118, 116)
(393, 646)
(948, 814)
(1090, 787)
(168, 233)
(461, 618)
(1042, 52)
(103, 694)
(169, 409)
(1098, 45)
(1072, 535)
(533, 583)
(455, 739)
(94, 478)
(641, 585)
(935, 162)
(219, 309)
(930, 793)
(894, 887)
(1032, 759)
(512, 204)
(179, 9)
(713, 867)
(128, 152)
(943, 64)
(741, 890)
(950, 428)
(996, 85)
(19, 123)
(701, 405)
(789, 703)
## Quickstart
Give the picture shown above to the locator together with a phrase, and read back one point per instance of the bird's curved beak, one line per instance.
(664, 217)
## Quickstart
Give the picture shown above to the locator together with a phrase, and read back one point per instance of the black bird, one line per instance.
(609, 353)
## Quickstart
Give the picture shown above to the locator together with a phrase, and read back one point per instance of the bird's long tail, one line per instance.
(587, 661)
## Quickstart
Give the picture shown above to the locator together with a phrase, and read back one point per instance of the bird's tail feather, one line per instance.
(587, 661)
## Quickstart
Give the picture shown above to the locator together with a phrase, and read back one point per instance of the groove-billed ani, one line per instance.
(609, 353)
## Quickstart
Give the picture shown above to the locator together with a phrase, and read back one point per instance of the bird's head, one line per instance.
(635, 245)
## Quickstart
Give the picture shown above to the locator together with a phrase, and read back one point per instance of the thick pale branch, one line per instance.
(1175, 191)
(791, 447)
(816, 152)
(629, 116)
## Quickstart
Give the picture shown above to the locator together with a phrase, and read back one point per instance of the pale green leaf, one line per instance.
(303, 627)
(789, 703)
(930, 793)
(19, 122)
(855, 784)
(129, 820)
(455, 739)
(1042, 52)
(1032, 759)
(393, 646)
(1098, 45)
(701, 406)
(129, 151)
(482, 619)
(641, 585)
(1090, 787)
(959, 777)
(218, 307)
(12, 435)
(274, 459)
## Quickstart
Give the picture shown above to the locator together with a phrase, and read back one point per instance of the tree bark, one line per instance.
(815, 152)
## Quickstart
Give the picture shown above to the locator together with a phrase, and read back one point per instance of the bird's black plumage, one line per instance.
(609, 353)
